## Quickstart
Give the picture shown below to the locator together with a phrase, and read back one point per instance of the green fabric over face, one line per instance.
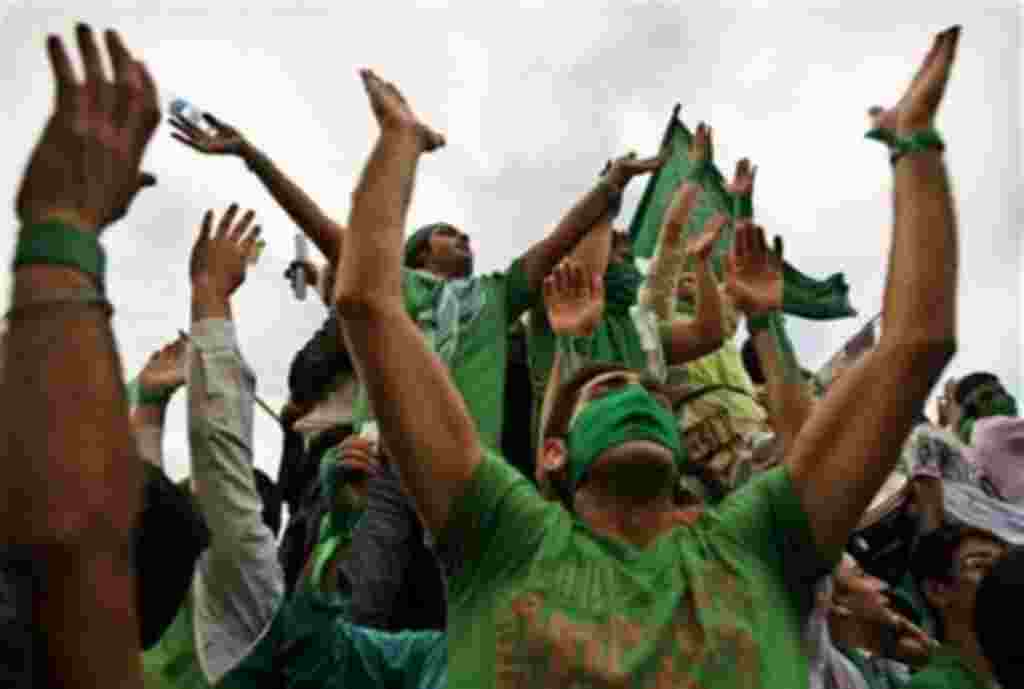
(802, 295)
(626, 414)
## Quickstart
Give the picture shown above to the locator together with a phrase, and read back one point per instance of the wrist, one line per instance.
(76, 217)
(209, 301)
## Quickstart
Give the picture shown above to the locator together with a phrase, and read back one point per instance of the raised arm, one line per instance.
(303, 210)
(423, 420)
(72, 483)
(853, 439)
(687, 340)
(753, 279)
(600, 201)
(151, 392)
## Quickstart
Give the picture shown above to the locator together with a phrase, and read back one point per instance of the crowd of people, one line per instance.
(566, 474)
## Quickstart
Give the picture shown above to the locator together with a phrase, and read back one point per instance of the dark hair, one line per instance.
(966, 385)
(998, 607)
(270, 496)
(751, 362)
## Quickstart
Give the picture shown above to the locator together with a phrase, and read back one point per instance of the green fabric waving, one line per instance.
(803, 296)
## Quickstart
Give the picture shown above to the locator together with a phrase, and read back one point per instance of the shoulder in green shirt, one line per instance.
(479, 360)
(538, 599)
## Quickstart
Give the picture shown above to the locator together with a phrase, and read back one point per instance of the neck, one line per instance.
(635, 519)
(961, 638)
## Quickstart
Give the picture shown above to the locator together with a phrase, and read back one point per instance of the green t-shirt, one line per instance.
(536, 599)
(478, 364)
(947, 670)
(878, 672)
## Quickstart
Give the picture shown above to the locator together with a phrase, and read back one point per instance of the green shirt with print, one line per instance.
(947, 670)
(478, 364)
(537, 599)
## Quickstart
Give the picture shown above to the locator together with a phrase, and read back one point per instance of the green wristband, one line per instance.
(58, 243)
(899, 146)
(762, 321)
(138, 395)
(743, 206)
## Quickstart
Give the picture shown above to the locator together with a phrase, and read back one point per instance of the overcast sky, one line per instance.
(533, 100)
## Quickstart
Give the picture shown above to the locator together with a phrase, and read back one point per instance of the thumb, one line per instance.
(147, 179)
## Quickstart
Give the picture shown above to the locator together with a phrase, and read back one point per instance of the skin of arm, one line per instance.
(689, 340)
(789, 396)
(583, 217)
(326, 234)
(425, 426)
(848, 447)
(73, 485)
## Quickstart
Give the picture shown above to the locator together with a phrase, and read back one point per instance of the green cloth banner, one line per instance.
(803, 295)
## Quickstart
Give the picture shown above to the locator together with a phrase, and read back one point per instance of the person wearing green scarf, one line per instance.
(978, 396)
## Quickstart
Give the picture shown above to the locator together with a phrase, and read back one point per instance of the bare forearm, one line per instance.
(148, 428)
(581, 219)
(63, 384)
(370, 266)
(877, 398)
(73, 483)
(920, 295)
(663, 273)
(592, 252)
(788, 395)
(303, 210)
(693, 339)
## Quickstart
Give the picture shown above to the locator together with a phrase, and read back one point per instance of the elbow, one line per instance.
(926, 352)
(353, 304)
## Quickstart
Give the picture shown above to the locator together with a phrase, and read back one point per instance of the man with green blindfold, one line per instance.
(620, 588)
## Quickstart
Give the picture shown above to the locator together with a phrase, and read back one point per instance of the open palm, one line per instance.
(574, 301)
(224, 140)
(753, 274)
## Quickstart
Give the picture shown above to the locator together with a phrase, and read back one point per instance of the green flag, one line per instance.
(802, 296)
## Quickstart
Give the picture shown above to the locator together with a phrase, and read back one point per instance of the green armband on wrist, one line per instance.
(138, 395)
(899, 146)
(743, 206)
(58, 243)
(762, 321)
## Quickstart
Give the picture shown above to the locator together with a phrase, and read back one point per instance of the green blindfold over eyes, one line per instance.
(630, 413)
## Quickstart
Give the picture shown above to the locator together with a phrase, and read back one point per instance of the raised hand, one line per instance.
(920, 102)
(393, 112)
(165, 369)
(701, 246)
(225, 140)
(753, 274)
(574, 301)
(219, 260)
(620, 171)
(85, 167)
(359, 462)
(701, 146)
(743, 180)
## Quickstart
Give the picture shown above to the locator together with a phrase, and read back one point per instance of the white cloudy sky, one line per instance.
(533, 99)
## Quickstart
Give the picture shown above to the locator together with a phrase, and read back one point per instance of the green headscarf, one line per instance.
(629, 413)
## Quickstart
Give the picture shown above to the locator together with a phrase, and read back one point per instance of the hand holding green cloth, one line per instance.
(803, 295)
